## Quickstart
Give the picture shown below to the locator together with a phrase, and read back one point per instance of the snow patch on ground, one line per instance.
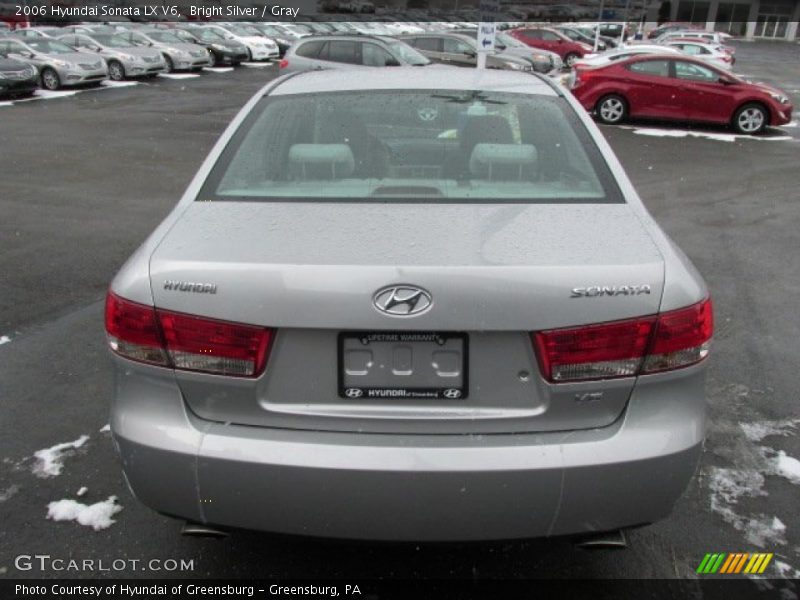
(97, 515)
(786, 570)
(82, 491)
(178, 75)
(755, 432)
(4, 339)
(739, 436)
(256, 64)
(50, 461)
(787, 466)
(719, 137)
(105, 428)
(8, 492)
(6, 104)
(218, 69)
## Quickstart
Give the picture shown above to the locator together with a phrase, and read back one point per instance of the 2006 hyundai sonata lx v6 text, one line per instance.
(419, 305)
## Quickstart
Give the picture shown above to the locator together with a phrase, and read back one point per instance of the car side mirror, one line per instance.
(500, 47)
(725, 80)
(470, 53)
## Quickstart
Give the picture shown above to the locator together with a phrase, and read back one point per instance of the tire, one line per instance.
(170, 64)
(116, 72)
(50, 79)
(750, 119)
(570, 59)
(611, 109)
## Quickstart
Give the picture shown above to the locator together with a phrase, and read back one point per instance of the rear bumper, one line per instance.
(421, 487)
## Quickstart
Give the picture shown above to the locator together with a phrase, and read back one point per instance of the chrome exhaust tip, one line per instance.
(190, 529)
(614, 540)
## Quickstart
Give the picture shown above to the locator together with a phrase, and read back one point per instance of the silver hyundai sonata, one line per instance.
(413, 305)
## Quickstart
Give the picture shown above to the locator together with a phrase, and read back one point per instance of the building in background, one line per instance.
(764, 19)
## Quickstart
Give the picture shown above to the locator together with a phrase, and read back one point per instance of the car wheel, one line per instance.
(50, 79)
(570, 59)
(170, 65)
(750, 119)
(116, 72)
(612, 109)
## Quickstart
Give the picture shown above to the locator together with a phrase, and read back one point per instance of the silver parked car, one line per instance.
(124, 59)
(425, 304)
(59, 65)
(454, 49)
(348, 52)
(178, 54)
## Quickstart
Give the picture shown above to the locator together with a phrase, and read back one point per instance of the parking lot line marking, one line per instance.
(118, 84)
(178, 75)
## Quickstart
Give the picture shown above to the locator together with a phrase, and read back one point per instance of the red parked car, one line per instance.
(552, 40)
(671, 87)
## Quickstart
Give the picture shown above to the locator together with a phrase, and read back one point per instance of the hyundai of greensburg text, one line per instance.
(418, 305)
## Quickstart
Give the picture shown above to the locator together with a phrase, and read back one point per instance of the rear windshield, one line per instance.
(412, 145)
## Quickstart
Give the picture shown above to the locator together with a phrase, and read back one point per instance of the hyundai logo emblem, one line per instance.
(452, 393)
(402, 300)
(353, 393)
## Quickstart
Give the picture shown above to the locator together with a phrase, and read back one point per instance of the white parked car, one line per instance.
(258, 46)
(711, 37)
(711, 53)
(621, 53)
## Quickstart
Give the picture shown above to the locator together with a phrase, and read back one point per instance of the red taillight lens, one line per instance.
(185, 342)
(626, 348)
(594, 352)
(682, 337)
(283, 64)
(133, 331)
(198, 344)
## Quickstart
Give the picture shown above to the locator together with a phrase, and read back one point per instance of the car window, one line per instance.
(428, 145)
(694, 72)
(454, 46)
(49, 46)
(341, 52)
(430, 44)
(373, 55)
(659, 68)
(533, 34)
(310, 49)
(549, 36)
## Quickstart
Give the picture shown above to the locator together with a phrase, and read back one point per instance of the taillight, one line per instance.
(185, 342)
(283, 63)
(198, 344)
(627, 348)
(133, 331)
(682, 338)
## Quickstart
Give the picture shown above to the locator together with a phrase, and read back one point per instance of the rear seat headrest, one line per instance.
(321, 161)
(503, 161)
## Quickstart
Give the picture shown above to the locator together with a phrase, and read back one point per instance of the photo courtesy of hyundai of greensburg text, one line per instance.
(399, 299)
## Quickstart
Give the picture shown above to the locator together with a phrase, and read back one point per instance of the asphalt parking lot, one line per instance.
(86, 177)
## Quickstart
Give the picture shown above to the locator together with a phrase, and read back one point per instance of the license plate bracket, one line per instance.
(403, 365)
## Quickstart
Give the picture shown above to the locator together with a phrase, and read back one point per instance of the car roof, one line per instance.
(349, 37)
(423, 78)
